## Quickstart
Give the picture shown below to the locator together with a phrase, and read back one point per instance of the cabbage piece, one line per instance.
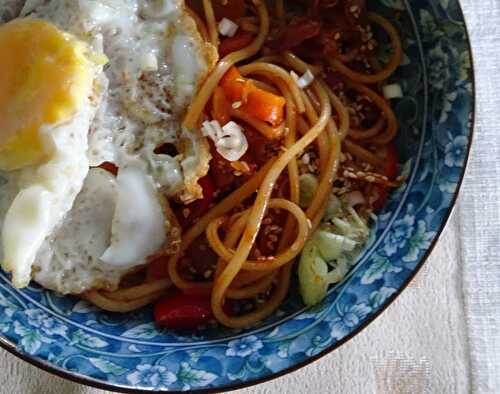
(331, 246)
(314, 277)
(337, 244)
(313, 271)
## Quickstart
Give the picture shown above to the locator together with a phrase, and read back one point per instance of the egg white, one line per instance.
(69, 260)
(45, 193)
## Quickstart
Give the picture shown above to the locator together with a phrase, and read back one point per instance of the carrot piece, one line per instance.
(233, 83)
(263, 105)
(221, 107)
(239, 41)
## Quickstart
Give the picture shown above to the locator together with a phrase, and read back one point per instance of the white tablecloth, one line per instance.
(442, 335)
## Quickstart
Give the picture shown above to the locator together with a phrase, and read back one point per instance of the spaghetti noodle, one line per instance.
(339, 118)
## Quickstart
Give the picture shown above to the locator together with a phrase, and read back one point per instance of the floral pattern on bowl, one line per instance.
(72, 338)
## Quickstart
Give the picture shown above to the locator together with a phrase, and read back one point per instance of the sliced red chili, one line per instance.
(182, 311)
(295, 34)
(239, 41)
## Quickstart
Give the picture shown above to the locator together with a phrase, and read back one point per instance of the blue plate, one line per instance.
(73, 339)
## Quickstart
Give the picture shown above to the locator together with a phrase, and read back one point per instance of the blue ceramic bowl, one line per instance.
(127, 352)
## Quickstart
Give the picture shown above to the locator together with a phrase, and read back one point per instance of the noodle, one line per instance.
(392, 122)
(234, 224)
(390, 67)
(254, 222)
(121, 306)
(213, 34)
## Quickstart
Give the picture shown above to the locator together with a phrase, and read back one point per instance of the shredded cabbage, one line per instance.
(337, 243)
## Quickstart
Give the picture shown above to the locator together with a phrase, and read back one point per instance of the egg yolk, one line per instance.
(45, 76)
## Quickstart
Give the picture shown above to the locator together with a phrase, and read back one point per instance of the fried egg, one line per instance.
(47, 102)
(157, 60)
(95, 81)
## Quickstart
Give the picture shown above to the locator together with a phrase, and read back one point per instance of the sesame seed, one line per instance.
(207, 274)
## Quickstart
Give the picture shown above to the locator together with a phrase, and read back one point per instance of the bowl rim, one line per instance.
(99, 384)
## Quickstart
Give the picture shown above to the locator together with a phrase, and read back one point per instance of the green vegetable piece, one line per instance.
(331, 246)
(313, 271)
(308, 185)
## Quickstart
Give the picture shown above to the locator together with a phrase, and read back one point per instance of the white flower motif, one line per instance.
(455, 151)
(377, 269)
(401, 231)
(244, 346)
(448, 101)
(151, 376)
(350, 317)
(439, 72)
(428, 23)
(39, 319)
(9, 307)
(420, 241)
(31, 340)
(447, 186)
(377, 298)
(190, 377)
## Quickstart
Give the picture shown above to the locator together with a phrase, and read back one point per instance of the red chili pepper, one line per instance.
(232, 44)
(183, 312)
(295, 34)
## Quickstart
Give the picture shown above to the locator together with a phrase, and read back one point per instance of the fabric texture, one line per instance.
(442, 335)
